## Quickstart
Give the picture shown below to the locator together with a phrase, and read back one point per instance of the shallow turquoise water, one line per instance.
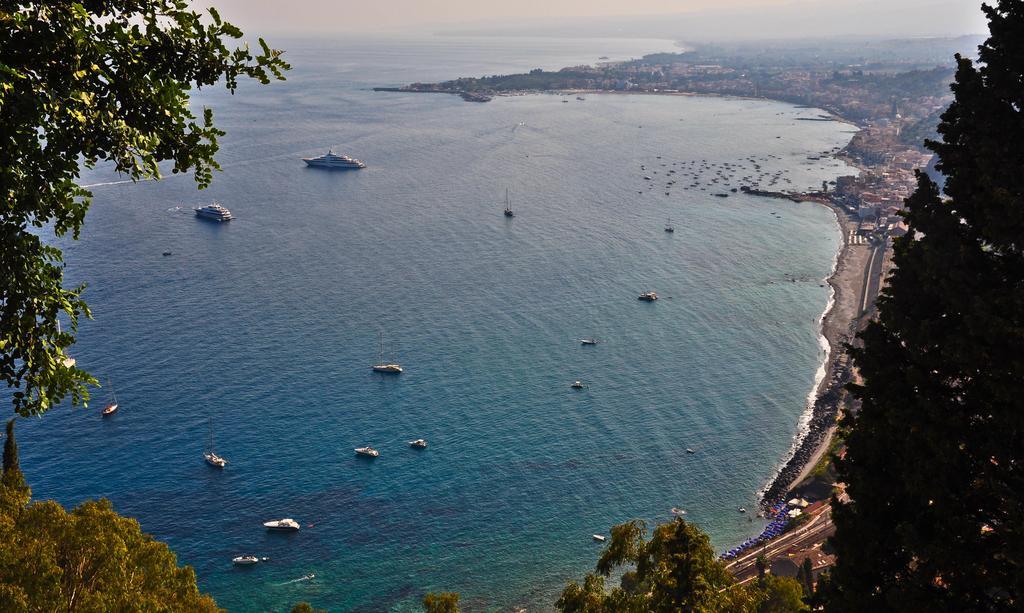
(269, 324)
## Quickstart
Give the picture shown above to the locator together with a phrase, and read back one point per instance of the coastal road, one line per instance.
(818, 528)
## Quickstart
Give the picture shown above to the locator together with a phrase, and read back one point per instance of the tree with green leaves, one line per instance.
(805, 577)
(90, 559)
(779, 595)
(674, 570)
(83, 83)
(441, 602)
(935, 455)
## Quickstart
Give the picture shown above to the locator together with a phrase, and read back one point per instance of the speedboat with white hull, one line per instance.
(282, 525)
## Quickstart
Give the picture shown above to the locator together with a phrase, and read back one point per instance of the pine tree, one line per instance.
(14, 492)
(935, 455)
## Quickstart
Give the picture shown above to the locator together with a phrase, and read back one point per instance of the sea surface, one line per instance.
(265, 327)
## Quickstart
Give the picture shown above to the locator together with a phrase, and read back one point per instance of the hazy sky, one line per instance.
(792, 17)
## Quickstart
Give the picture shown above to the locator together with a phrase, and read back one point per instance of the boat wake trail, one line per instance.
(299, 580)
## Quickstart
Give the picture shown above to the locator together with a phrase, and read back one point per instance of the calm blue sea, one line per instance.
(269, 324)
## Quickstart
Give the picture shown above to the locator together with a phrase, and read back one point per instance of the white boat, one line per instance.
(282, 525)
(381, 365)
(577, 385)
(418, 444)
(212, 458)
(112, 405)
(213, 212)
(589, 341)
(669, 227)
(648, 297)
(245, 560)
(597, 537)
(333, 160)
(368, 452)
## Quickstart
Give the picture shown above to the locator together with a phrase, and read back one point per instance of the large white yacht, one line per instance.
(213, 211)
(333, 160)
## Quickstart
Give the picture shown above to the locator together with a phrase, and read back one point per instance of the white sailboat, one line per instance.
(381, 365)
(210, 456)
(111, 407)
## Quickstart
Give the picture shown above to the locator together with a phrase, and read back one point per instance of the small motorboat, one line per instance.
(742, 510)
(588, 341)
(678, 511)
(418, 444)
(577, 385)
(167, 253)
(597, 537)
(282, 525)
(688, 450)
(110, 409)
(367, 452)
(245, 560)
(648, 296)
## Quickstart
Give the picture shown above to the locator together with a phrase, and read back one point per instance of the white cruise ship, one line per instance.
(213, 211)
(332, 160)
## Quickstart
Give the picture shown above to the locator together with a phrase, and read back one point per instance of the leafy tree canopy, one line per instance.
(675, 570)
(90, 559)
(81, 83)
(934, 457)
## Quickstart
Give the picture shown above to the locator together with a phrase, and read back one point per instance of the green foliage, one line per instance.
(441, 602)
(90, 559)
(676, 570)
(80, 83)
(305, 607)
(805, 576)
(934, 455)
(779, 595)
(761, 563)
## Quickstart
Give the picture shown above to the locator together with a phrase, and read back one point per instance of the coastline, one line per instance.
(837, 328)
